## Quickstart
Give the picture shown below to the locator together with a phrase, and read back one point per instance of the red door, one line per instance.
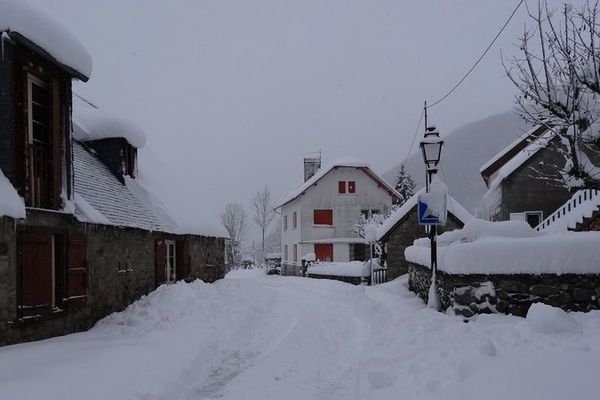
(324, 251)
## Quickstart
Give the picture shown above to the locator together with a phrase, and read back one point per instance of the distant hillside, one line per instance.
(465, 150)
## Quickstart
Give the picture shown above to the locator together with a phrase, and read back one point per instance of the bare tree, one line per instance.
(235, 221)
(558, 77)
(264, 212)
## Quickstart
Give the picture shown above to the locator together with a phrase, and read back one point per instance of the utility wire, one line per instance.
(414, 136)
(480, 58)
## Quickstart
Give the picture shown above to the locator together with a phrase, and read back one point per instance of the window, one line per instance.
(342, 187)
(295, 253)
(351, 187)
(323, 217)
(52, 272)
(130, 160)
(285, 222)
(171, 267)
(533, 218)
(285, 252)
(294, 220)
(40, 140)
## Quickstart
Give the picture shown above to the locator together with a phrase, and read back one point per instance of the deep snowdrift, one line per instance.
(255, 337)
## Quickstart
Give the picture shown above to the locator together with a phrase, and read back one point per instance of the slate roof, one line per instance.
(107, 195)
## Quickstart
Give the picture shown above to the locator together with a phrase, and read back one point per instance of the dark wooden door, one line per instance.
(324, 251)
(160, 261)
(35, 251)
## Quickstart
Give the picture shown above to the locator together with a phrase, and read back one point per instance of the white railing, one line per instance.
(581, 197)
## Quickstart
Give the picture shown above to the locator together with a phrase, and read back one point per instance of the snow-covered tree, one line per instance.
(404, 185)
(558, 77)
(370, 217)
(235, 221)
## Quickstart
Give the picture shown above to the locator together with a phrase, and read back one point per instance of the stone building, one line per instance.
(401, 229)
(79, 236)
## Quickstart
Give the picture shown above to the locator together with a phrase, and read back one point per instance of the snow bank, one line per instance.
(510, 247)
(96, 124)
(11, 204)
(546, 319)
(19, 17)
(351, 268)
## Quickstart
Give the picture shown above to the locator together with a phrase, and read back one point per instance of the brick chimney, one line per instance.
(312, 163)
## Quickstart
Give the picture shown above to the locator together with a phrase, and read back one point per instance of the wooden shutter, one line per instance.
(160, 261)
(183, 260)
(351, 187)
(341, 186)
(323, 217)
(34, 251)
(77, 271)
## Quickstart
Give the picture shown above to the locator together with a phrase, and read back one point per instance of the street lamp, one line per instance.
(431, 148)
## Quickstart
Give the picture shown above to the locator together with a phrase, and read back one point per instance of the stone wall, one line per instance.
(474, 294)
(403, 235)
(121, 268)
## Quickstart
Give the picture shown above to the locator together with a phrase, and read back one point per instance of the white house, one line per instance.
(319, 216)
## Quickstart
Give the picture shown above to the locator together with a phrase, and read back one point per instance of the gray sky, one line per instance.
(232, 93)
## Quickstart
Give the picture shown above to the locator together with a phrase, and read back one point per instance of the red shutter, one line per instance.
(183, 260)
(324, 251)
(323, 217)
(351, 187)
(34, 251)
(342, 187)
(77, 272)
(295, 220)
(160, 261)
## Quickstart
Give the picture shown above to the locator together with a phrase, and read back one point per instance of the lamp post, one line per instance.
(431, 148)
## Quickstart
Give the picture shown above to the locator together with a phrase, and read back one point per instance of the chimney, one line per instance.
(312, 163)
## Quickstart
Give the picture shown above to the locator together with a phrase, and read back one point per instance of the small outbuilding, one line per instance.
(401, 229)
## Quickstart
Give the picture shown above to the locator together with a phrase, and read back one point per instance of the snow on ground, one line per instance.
(251, 336)
(11, 204)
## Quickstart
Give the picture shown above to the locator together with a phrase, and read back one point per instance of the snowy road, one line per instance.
(292, 338)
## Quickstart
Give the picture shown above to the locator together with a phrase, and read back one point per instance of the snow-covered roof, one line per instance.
(341, 162)
(105, 198)
(336, 240)
(512, 150)
(11, 204)
(33, 28)
(519, 159)
(452, 205)
(96, 124)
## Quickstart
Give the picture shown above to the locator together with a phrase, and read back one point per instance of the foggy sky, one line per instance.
(232, 93)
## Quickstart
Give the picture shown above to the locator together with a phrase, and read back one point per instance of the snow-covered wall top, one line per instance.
(96, 124)
(510, 247)
(11, 204)
(18, 16)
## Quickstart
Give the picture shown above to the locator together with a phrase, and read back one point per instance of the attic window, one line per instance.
(130, 161)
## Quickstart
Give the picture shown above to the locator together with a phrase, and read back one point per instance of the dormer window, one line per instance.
(39, 140)
(130, 160)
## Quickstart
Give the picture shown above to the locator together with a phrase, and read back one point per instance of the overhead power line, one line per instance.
(480, 57)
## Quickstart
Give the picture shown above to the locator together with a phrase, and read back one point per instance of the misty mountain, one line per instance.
(465, 150)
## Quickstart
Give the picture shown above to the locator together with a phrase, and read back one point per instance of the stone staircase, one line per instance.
(575, 214)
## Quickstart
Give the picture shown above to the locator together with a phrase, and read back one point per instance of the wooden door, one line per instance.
(324, 251)
(36, 262)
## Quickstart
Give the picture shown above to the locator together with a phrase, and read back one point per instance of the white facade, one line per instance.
(323, 193)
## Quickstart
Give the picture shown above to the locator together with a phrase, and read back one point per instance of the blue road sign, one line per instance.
(425, 218)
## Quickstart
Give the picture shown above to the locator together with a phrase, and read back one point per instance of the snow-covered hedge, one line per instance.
(510, 247)
(351, 268)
